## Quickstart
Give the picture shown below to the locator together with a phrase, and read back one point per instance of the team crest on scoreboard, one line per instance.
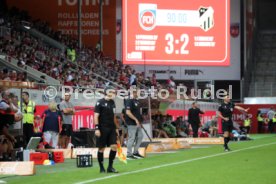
(147, 16)
(206, 18)
(235, 30)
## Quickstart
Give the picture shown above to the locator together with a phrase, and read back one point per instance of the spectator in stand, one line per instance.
(1, 75)
(18, 113)
(25, 77)
(171, 84)
(168, 127)
(51, 126)
(133, 79)
(211, 127)
(13, 76)
(181, 127)
(153, 80)
(157, 130)
(6, 75)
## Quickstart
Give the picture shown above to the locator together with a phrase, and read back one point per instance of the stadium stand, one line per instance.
(263, 82)
(91, 69)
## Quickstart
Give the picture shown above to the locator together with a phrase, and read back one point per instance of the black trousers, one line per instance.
(260, 126)
(270, 126)
(195, 127)
(247, 129)
(28, 132)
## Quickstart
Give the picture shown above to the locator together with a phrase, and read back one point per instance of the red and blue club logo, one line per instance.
(147, 19)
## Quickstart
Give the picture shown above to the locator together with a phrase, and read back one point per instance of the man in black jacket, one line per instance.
(193, 118)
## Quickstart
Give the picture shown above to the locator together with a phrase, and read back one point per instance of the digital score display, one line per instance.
(176, 32)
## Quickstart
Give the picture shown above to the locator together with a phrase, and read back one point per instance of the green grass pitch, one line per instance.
(249, 162)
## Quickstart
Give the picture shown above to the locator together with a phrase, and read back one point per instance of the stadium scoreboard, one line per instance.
(186, 32)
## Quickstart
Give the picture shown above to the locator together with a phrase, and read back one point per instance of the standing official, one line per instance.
(67, 112)
(133, 120)
(270, 116)
(225, 113)
(28, 110)
(106, 129)
(260, 120)
(193, 118)
(247, 124)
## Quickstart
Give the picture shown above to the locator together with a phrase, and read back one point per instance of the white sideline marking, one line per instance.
(171, 164)
(1, 181)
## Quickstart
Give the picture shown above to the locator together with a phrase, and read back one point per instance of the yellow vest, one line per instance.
(73, 55)
(274, 120)
(28, 112)
(247, 122)
(259, 118)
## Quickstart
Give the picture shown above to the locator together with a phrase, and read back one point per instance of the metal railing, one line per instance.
(35, 74)
(5, 31)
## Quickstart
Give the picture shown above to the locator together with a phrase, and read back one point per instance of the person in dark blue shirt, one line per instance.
(225, 112)
(51, 125)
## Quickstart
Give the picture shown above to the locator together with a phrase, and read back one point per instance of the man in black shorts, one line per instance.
(67, 110)
(225, 113)
(106, 129)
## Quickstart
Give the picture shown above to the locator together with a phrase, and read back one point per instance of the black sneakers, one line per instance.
(131, 157)
(226, 149)
(102, 170)
(111, 170)
(134, 156)
(137, 155)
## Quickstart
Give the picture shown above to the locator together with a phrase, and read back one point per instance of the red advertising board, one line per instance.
(239, 116)
(187, 32)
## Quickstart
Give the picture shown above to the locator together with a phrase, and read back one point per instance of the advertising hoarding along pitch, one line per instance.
(188, 32)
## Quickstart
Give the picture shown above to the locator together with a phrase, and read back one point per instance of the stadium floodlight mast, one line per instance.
(79, 24)
(101, 24)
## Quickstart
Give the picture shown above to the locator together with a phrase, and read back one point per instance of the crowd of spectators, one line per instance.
(90, 63)
(164, 126)
(12, 75)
